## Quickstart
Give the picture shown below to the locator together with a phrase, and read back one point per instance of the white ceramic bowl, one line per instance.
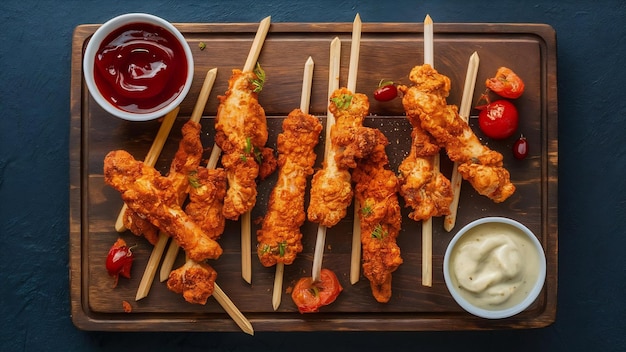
(469, 283)
(94, 45)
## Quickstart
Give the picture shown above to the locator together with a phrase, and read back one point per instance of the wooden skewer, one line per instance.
(157, 250)
(355, 46)
(257, 44)
(151, 157)
(333, 84)
(153, 262)
(427, 225)
(464, 111)
(196, 115)
(305, 98)
(232, 310)
(277, 294)
(246, 237)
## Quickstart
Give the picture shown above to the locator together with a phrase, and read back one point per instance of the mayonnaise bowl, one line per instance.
(494, 267)
(138, 66)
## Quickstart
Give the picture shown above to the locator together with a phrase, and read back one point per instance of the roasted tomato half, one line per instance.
(309, 296)
(506, 83)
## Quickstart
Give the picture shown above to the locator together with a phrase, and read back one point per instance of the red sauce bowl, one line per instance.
(138, 67)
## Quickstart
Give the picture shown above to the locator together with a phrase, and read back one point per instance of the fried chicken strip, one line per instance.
(425, 190)
(241, 133)
(279, 239)
(152, 195)
(376, 188)
(331, 188)
(196, 280)
(186, 159)
(481, 166)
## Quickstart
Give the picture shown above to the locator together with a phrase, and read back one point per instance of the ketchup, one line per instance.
(140, 68)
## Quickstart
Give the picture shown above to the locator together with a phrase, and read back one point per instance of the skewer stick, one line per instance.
(464, 111)
(253, 56)
(196, 115)
(151, 157)
(257, 44)
(305, 99)
(427, 225)
(333, 84)
(355, 46)
(232, 310)
(153, 262)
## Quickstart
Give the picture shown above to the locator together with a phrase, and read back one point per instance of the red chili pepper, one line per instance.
(119, 260)
(386, 91)
(520, 148)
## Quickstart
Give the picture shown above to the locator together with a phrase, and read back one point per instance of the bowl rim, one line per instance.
(94, 44)
(508, 312)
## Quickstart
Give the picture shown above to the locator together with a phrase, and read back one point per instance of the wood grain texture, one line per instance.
(388, 50)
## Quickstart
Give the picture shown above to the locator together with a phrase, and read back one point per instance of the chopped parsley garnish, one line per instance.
(366, 209)
(379, 232)
(343, 101)
(281, 248)
(193, 179)
(251, 149)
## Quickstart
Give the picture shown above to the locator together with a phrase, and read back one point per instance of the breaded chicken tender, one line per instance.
(279, 239)
(482, 167)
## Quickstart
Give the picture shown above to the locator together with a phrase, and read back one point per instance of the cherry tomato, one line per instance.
(310, 296)
(498, 120)
(506, 83)
(119, 260)
(386, 91)
(520, 148)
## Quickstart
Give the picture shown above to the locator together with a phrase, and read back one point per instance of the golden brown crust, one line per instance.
(186, 159)
(151, 195)
(481, 166)
(380, 218)
(140, 226)
(331, 188)
(194, 280)
(241, 130)
(279, 239)
(424, 189)
(206, 197)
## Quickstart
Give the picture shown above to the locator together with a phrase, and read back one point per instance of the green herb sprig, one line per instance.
(260, 80)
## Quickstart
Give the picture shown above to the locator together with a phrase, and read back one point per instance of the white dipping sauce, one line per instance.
(494, 266)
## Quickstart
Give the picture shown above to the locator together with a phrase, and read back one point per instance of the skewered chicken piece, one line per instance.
(331, 189)
(478, 164)
(279, 239)
(376, 188)
(186, 159)
(152, 196)
(206, 197)
(425, 190)
(196, 280)
(241, 133)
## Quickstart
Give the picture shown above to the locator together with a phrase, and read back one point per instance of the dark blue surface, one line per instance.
(35, 42)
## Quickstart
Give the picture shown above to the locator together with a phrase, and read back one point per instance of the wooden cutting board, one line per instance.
(389, 51)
